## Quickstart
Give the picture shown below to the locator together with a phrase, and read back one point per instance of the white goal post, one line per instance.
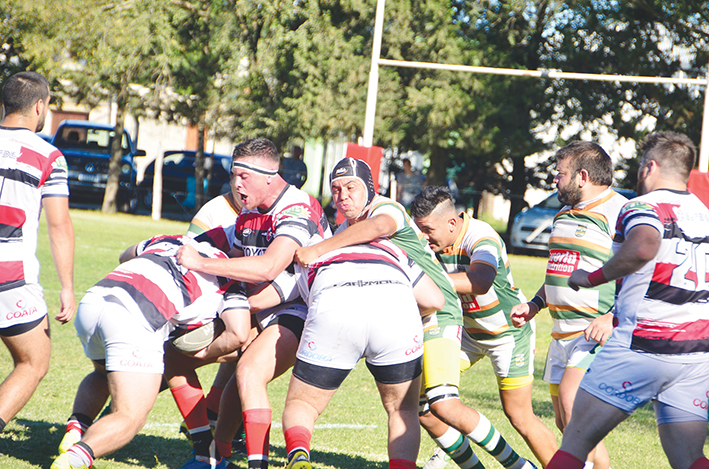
(368, 133)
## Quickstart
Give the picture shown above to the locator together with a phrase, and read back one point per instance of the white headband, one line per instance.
(253, 167)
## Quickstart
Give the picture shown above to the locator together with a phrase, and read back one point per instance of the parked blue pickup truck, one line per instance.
(87, 148)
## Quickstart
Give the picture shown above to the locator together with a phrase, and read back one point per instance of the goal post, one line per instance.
(368, 132)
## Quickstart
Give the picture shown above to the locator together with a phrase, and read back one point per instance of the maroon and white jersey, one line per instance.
(30, 169)
(663, 307)
(379, 262)
(155, 288)
(294, 214)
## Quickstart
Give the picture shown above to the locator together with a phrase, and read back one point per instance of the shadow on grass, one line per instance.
(277, 458)
(36, 442)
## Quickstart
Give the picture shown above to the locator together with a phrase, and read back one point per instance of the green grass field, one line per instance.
(351, 433)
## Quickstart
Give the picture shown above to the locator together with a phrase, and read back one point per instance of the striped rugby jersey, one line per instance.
(663, 307)
(217, 212)
(30, 169)
(155, 289)
(409, 238)
(485, 316)
(581, 238)
(216, 220)
(378, 262)
(294, 214)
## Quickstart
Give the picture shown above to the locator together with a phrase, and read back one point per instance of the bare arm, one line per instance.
(476, 281)
(263, 296)
(361, 232)
(428, 296)
(61, 239)
(237, 326)
(128, 254)
(251, 269)
(640, 247)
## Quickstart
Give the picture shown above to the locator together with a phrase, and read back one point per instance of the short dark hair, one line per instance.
(256, 148)
(591, 157)
(674, 152)
(22, 91)
(428, 199)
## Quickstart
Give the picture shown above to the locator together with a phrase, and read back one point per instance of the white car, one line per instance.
(532, 226)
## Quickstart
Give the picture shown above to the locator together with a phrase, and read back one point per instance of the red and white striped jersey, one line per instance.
(294, 214)
(378, 262)
(155, 288)
(30, 169)
(662, 308)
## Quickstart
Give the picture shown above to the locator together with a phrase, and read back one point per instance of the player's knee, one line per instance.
(520, 419)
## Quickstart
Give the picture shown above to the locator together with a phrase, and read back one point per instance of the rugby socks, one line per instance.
(80, 455)
(564, 460)
(401, 464)
(257, 424)
(487, 437)
(458, 448)
(701, 463)
(76, 426)
(297, 438)
(78, 422)
(224, 448)
(193, 407)
(213, 399)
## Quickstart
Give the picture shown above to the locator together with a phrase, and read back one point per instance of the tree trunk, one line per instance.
(114, 166)
(518, 187)
(199, 171)
(436, 174)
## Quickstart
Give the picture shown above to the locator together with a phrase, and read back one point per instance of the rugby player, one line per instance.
(361, 304)
(33, 176)
(123, 322)
(276, 219)
(581, 237)
(369, 216)
(474, 256)
(659, 350)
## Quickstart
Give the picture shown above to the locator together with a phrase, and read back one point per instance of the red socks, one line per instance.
(564, 460)
(257, 424)
(297, 437)
(701, 463)
(192, 404)
(213, 398)
(401, 464)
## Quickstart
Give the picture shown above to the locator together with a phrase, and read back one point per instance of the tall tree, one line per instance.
(102, 50)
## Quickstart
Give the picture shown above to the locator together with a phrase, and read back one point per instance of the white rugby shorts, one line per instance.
(627, 380)
(22, 305)
(345, 323)
(109, 332)
(563, 354)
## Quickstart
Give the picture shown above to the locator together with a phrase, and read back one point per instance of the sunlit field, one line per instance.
(351, 433)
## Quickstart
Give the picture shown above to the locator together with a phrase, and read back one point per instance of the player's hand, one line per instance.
(68, 306)
(523, 313)
(306, 255)
(600, 329)
(579, 279)
(188, 257)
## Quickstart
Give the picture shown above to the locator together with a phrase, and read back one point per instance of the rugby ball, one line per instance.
(194, 340)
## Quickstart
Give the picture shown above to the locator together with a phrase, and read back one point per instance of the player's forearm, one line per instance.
(640, 247)
(61, 237)
(255, 269)
(471, 283)
(359, 233)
